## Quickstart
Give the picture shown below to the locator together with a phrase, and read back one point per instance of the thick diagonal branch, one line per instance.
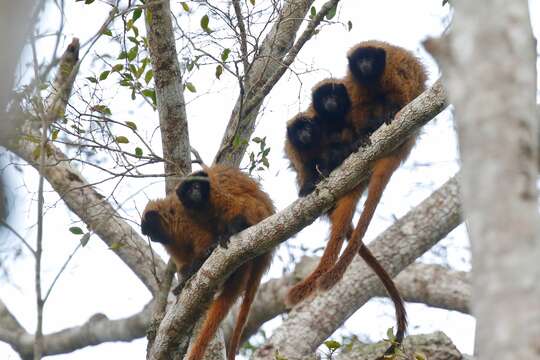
(279, 227)
(395, 249)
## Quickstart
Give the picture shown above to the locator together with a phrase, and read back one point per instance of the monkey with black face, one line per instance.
(382, 78)
(318, 140)
(207, 208)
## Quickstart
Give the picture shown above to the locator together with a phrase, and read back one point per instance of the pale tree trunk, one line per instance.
(490, 67)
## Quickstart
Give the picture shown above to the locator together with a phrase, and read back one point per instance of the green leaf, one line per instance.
(88, 2)
(117, 67)
(312, 12)
(116, 245)
(331, 13)
(205, 20)
(225, 54)
(54, 134)
(219, 71)
(191, 87)
(107, 32)
(132, 53)
(76, 230)
(444, 2)
(349, 25)
(122, 140)
(136, 14)
(149, 75)
(122, 55)
(148, 16)
(184, 6)
(390, 334)
(419, 356)
(252, 2)
(332, 345)
(257, 140)
(104, 75)
(103, 109)
(138, 152)
(131, 125)
(92, 79)
(151, 93)
(84, 239)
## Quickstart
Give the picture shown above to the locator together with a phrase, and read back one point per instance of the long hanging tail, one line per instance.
(393, 292)
(382, 172)
(232, 288)
(259, 266)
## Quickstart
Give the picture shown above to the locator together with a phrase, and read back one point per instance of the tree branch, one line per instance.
(267, 61)
(435, 346)
(97, 330)
(279, 227)
(395, 248)
(169, 92)
(433, 285)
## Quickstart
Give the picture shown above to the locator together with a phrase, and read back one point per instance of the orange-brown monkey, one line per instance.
(382, 78)
(208, 207)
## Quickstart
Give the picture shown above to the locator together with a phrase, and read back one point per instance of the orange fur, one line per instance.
(372, 104)
(189, 235)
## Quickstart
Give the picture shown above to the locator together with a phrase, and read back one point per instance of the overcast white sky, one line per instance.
(96, 281)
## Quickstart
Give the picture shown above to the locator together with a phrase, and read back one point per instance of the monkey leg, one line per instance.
(340, 218)
(232, 288)
(382, 171)
(258, 268)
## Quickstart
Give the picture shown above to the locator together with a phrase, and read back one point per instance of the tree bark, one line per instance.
(302, 332)
(270, 232)
(169, 93)
(491, 72)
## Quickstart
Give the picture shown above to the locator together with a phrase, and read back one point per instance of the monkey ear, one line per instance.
(151, 226)
(194, 191)
(367, 64)
(331, 101)
(304, 133)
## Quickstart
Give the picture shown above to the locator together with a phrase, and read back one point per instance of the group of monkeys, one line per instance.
(211, 205)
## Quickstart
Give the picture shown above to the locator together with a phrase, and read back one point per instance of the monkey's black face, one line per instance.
(151, 226)
(194, 191)
(367, 64)
(304, 133)
(332, 102)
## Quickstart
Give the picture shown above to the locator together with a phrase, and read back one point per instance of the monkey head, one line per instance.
(156, 221)
(194, 191)
(367, 63)
(304, 132)
(331, 102)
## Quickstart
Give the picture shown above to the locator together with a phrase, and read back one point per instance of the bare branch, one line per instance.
(395, 248)
(267, 61)
(279, 227)
(435, 346)
(99, 216)
(433, 285)
(169, 92)
(97, 330)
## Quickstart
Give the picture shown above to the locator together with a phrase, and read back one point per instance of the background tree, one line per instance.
(105, 124)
